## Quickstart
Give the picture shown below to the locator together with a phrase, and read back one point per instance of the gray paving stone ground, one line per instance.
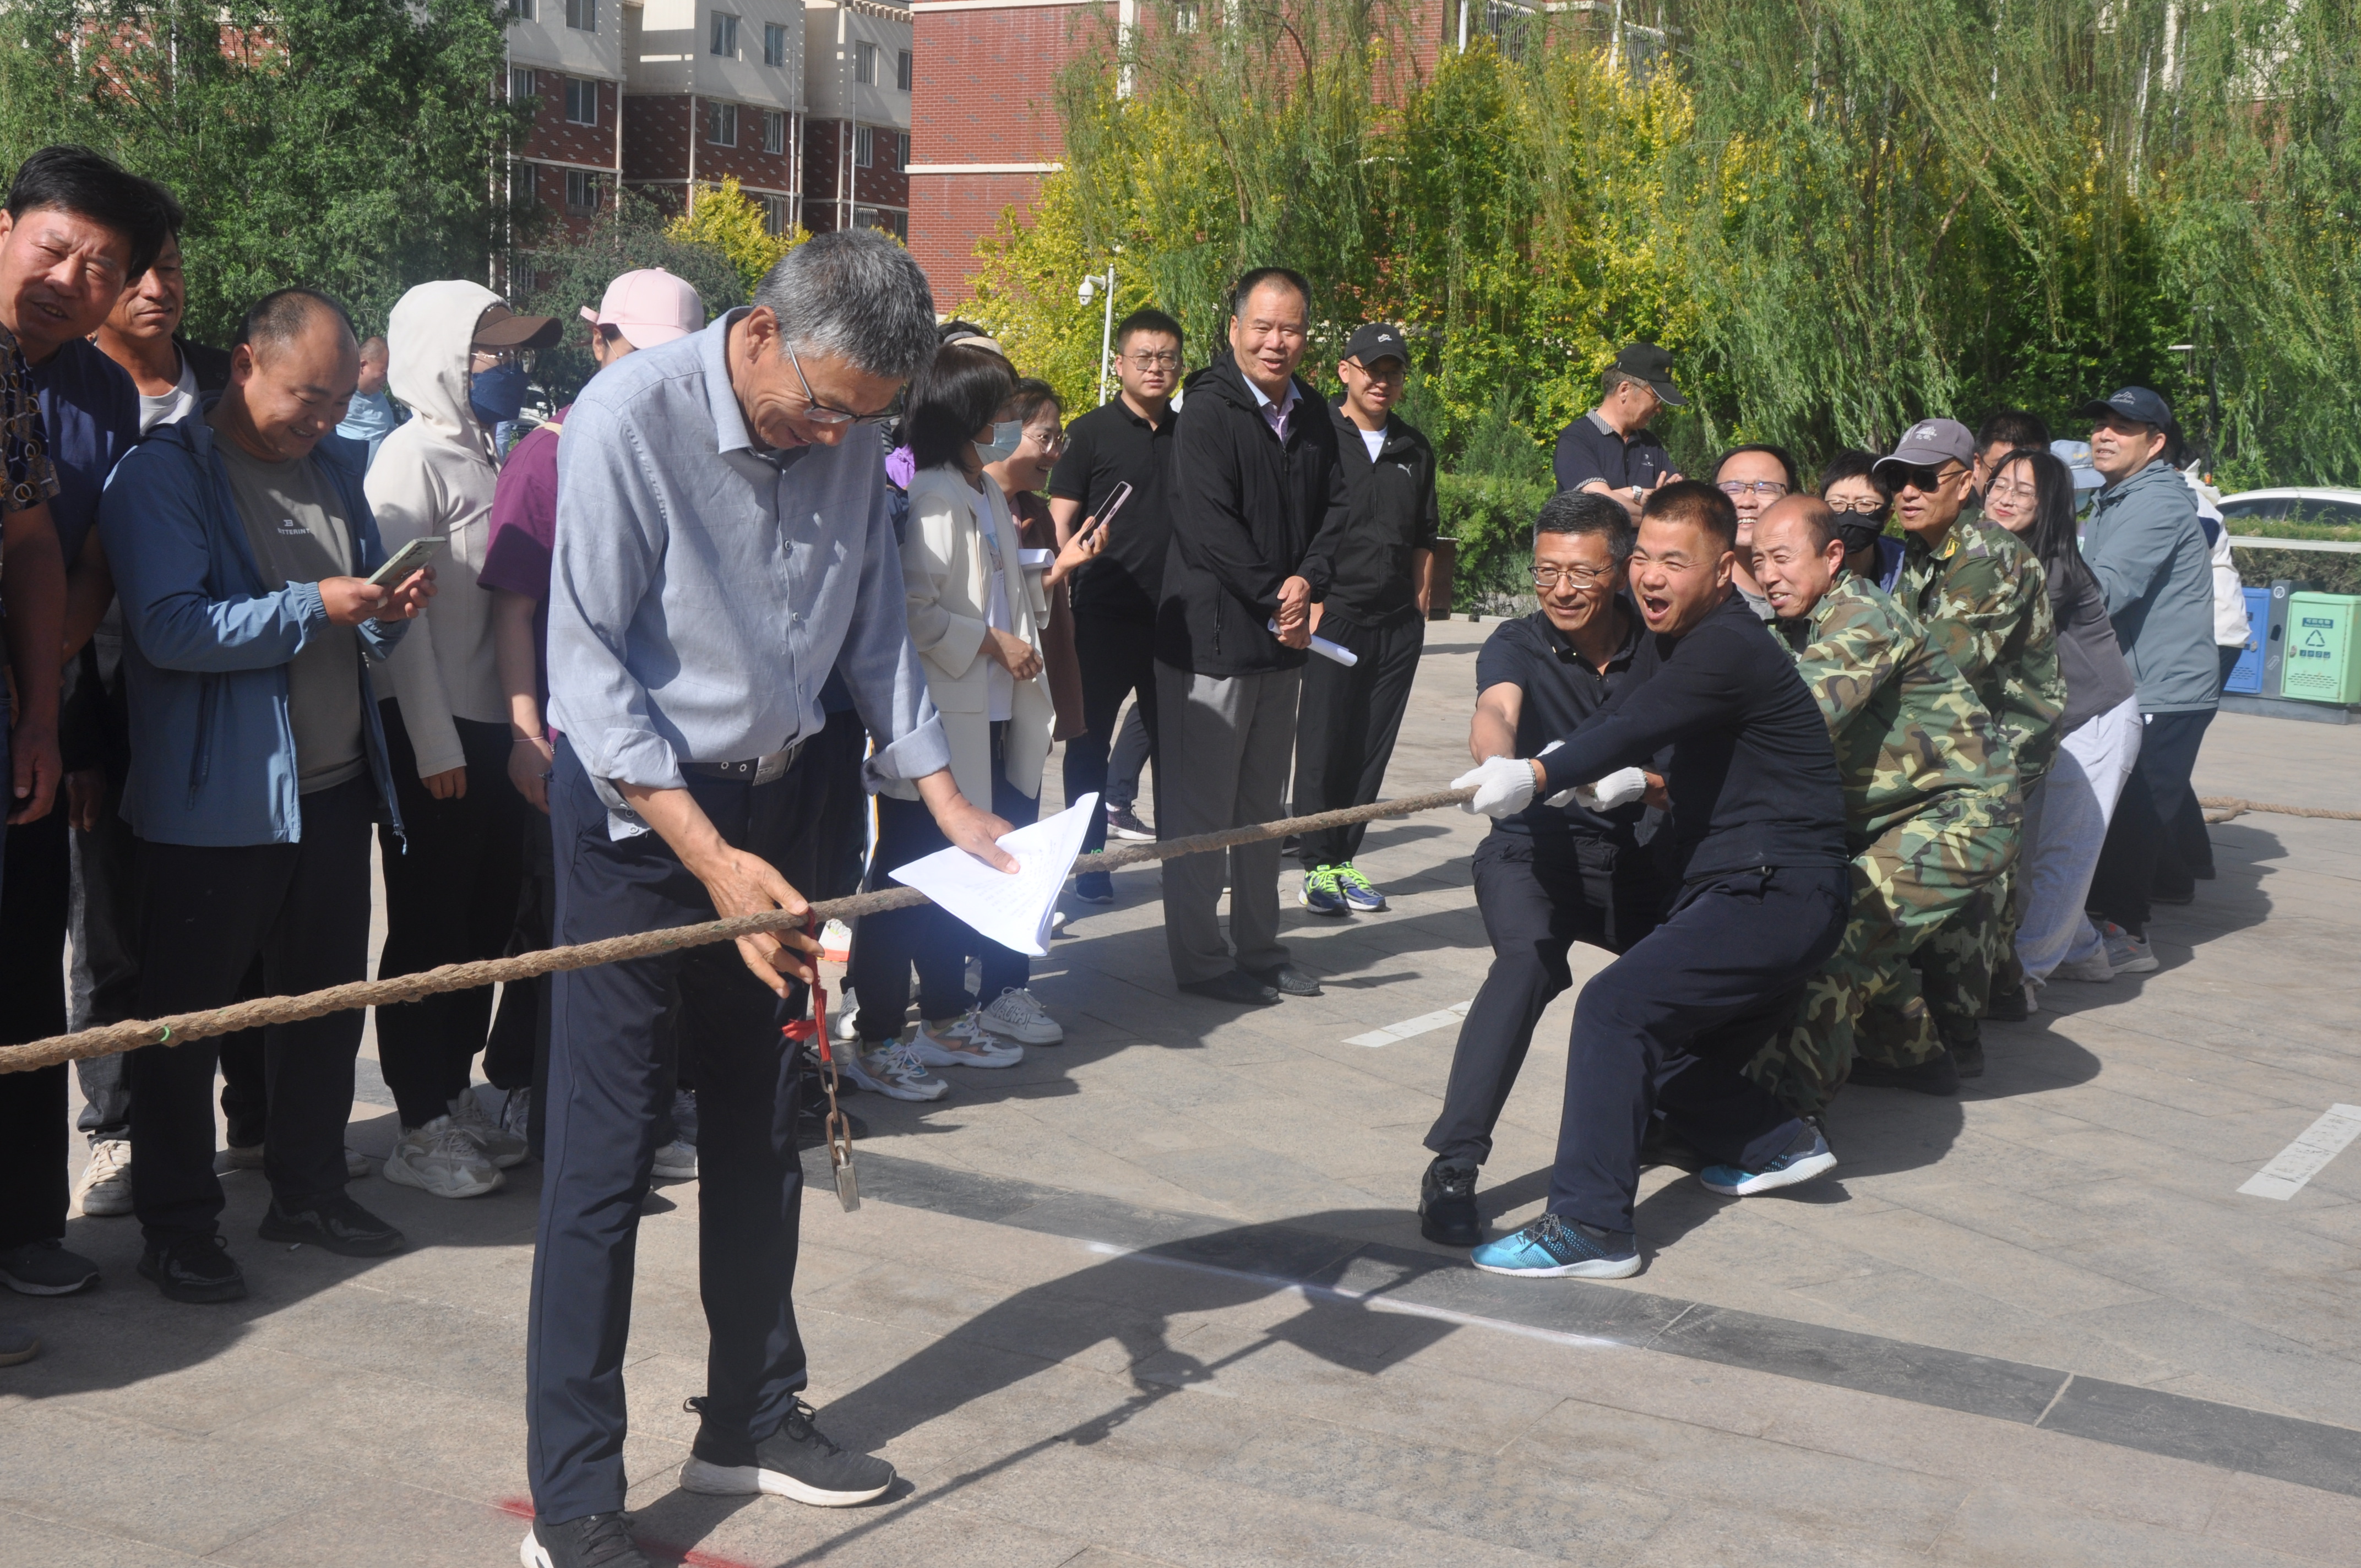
(1053, 1395)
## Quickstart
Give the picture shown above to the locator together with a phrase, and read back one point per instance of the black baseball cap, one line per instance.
(2130, 402)
(1654, 366)
(1374, 341)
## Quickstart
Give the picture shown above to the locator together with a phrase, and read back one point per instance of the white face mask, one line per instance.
(1006, 436)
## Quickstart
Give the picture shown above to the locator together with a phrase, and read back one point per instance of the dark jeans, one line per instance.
(1118, 660)
(517, 1054)
(824, 788)
(1124, 763)
(1667, 1028)
(1345, 724)
(1536, 904)
(33, 1128)
(2157, 839)
(304, 909)
(450, 898)
(105, 957)
(886, 945)
(610, 1079)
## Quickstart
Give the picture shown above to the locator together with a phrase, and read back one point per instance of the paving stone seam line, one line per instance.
(2220, 1436)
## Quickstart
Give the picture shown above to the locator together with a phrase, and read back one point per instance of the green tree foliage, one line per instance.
(347, 145)
(725, 219)
(632, 233)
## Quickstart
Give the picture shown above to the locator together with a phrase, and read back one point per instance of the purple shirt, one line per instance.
(524, 532)
(1275, 415)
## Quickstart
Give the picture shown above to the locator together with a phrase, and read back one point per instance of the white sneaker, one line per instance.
(1017, 1015)
(836, 942)
(892, 1071)
(503, 1147)
(962, 1042)
(2127, 953)
(2093, 970)
(442, 1158)
(106, 1184)
(357, 1163)
(516, 1112)
(676, 1161)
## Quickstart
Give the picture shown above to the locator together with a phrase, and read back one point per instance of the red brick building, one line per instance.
(858, 75)
(567, 58)
(715, 91)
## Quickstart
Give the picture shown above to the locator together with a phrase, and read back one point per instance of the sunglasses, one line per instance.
(1919, 477)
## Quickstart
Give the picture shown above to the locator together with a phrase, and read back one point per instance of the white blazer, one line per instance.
(946, 582)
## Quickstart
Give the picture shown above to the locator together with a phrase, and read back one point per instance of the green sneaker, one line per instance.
(1359, 894)
(1321, 894)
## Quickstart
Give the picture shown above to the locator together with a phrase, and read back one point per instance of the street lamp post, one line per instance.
(1095, 284)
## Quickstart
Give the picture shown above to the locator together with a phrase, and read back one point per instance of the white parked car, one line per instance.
(2252, 511)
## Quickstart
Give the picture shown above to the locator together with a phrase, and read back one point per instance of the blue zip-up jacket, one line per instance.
(2146, 545)
(206, 649)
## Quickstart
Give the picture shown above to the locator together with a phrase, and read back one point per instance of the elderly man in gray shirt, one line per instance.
(721, 547)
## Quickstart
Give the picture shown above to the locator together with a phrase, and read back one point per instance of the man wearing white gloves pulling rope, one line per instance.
(1758, 823)
(721, 547)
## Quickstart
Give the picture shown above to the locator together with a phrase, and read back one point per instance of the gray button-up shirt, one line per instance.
(700, 590)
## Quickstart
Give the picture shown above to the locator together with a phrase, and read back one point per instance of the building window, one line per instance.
(526, 183)
(521, 10)
(775, 44)
(1184, 15)
(902, 72)
(885, 220)
(776, 217)
(581, 101)
(581, 190)
(865, 63)
(775, 131)
(901, 150)
(721, 124)
(582, 15)
(725, 35)
(864, 147)
(521, 83)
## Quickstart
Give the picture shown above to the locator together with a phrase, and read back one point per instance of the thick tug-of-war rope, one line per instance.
(130, 1035)
(266, 1010)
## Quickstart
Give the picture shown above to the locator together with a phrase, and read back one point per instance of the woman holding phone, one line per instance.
(977, 619)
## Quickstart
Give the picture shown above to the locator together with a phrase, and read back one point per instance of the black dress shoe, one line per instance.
(1939, 1074)
(335, 1223)
(1237, 987)
(1446, 1204)
(1288, 981)
(194, 1268)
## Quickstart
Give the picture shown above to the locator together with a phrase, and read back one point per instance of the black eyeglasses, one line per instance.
(822, 413)
(1919, 477)
(1546, 577)
(1769, 489)
(1856, 507)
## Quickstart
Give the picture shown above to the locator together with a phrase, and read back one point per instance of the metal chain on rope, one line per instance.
(264, 1010)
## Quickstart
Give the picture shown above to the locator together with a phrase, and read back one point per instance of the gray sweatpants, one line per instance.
(1224, 747)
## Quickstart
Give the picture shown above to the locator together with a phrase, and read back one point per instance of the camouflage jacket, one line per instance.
(1984, 599)
(1907, 726)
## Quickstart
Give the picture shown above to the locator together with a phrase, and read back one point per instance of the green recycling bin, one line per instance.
(2322, 664)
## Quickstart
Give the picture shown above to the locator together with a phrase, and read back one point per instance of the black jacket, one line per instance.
(1392, 515)
(211, 364)
(1247, 513)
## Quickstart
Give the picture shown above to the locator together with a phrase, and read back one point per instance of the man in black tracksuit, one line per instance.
(1258, 499)
(1758, 823)
(1376, 607)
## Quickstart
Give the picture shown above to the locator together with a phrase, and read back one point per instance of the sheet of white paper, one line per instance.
(1327, 650)
(1014, 911)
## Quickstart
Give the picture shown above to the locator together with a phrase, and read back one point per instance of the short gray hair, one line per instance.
(855, 294)
(1587, 511)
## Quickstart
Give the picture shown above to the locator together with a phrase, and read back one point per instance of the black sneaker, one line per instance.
(46, 1269)
(335, 1223)
(811, 1117)
(1124, 823)
(594, 1541)
(1290, 981)
(1446, 1204)
(794, 1461)
(2009, 1006)
(1966, 1043)
(194, 1268)
(1238, 986)
(1939, 1074)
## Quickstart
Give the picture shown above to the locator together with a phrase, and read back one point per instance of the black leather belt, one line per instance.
(754, 769)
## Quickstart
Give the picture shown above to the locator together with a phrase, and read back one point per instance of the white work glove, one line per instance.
(1504, 786)
(1621, 787)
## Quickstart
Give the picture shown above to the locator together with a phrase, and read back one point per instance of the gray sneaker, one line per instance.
(18, 1344)
(796, 1461)
(46, 1269)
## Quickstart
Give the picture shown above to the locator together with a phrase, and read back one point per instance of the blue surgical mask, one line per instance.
(1006, 436)
(497, 394)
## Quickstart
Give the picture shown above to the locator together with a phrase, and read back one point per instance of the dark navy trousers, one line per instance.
(1668, 1027)
(611, 1083)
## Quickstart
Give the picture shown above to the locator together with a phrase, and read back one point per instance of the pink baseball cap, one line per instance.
(649, 307)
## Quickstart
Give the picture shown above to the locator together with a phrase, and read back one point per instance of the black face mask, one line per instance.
(1858, 536)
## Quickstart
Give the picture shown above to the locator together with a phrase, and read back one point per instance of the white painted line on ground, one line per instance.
(2302, 1159)
(1425, 1022)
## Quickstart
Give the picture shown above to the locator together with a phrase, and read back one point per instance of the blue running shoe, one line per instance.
(1321, 894)
(1806, 1157)
(1555, 1248)
(1364, 898)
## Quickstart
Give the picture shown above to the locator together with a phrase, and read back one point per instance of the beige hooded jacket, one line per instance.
(434, 475)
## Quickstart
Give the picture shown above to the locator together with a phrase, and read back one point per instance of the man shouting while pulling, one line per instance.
(1758, 823)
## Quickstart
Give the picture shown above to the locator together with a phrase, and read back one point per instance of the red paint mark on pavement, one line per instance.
(521, 1507)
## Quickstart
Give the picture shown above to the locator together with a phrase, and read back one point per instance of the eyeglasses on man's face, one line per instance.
(1856, 506)
(823, 413)
(1162, 359)
(1770, 489)
(1546, 577)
